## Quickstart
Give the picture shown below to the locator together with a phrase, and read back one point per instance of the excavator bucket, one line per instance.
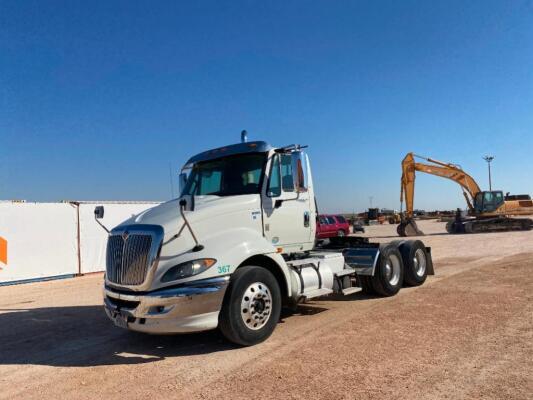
(409, 228)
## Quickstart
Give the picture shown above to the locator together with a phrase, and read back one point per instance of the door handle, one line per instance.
(307, 218)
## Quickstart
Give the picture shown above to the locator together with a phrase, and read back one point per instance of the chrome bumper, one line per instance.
(190, 307)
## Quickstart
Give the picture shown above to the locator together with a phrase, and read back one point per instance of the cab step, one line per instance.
(317, 293)
(351, 290)
(344, 272)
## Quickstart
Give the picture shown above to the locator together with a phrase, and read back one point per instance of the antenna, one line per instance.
(171, 180)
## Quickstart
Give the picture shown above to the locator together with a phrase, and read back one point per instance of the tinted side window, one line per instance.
(286, 173)
(322, 220)
(210, 182)
(340, 219)
(274, 183)
(330, 220)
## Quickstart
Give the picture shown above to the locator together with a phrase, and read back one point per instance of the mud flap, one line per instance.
(431, 270)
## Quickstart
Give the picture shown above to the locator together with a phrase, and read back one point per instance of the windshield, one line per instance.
(228, 176)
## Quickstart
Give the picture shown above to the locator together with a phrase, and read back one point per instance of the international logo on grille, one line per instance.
(129, 256)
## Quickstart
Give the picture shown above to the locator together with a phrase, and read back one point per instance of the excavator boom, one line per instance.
(445, 170)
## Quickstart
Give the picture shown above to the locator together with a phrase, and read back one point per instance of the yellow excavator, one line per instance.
(488, 211)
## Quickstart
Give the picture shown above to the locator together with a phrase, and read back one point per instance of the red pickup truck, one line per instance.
(331, 225)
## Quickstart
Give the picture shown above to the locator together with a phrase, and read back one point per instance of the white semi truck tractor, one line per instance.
(237, 246)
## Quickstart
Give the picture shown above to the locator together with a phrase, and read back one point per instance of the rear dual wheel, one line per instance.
(415, 261)
(388, 275)
(400, 263)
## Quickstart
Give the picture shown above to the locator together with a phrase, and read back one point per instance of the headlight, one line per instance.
(187, 269)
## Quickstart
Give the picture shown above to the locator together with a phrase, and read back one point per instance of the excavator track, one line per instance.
(497, 225)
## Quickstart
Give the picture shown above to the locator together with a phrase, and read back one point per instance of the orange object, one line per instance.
(3, 250)
(473, 194)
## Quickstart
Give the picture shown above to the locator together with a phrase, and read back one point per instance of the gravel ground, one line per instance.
(467, 333)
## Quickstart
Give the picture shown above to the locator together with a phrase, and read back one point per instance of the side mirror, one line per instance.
(299, 171)
(183, 181)
(99, 212)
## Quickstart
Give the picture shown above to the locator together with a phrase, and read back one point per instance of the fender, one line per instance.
(234, 246)
(230, 247)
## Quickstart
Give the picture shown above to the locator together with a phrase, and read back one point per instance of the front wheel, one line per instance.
(340, 233)
(251, 307)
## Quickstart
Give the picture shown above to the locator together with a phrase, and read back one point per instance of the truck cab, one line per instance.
(237, 245)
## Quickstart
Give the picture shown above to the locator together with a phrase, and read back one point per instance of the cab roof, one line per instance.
(231, 150)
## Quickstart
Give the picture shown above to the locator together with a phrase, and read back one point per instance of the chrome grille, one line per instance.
(128, 258)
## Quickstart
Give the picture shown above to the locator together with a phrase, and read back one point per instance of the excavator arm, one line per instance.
(445, 170)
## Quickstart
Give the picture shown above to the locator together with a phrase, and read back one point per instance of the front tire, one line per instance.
(340, 233)
(251, 307)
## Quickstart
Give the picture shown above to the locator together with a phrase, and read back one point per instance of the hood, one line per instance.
(168, 214)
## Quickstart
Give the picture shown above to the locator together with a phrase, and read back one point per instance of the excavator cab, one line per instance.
(488, 201)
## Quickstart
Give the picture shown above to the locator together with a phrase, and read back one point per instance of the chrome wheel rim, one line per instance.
(392, 270)
(256, 306)
(419, 262)
(340, 233)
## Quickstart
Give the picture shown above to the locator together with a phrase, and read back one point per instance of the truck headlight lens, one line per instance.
(187, 269)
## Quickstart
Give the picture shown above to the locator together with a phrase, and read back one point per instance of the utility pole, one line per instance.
(489, 159)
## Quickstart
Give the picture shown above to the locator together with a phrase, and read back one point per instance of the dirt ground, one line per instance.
(466, 334)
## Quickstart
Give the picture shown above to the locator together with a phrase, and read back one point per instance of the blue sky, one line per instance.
(97, 98)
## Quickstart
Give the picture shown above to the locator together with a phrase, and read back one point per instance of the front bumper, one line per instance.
(190, 307)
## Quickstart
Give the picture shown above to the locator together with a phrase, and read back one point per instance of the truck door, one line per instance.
(287, 219)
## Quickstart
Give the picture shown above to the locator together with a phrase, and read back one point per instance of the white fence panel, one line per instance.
(41, 240)
(93, 238)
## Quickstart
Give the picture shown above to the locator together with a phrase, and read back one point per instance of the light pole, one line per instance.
(489, 159)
